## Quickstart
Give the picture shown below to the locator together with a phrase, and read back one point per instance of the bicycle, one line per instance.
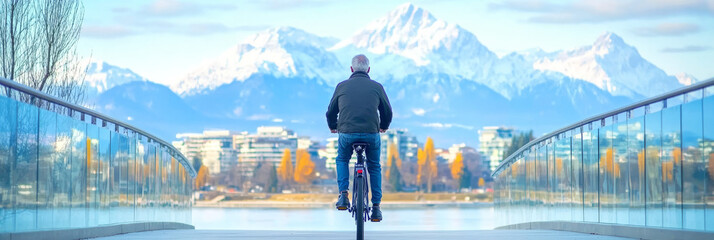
(360, 202)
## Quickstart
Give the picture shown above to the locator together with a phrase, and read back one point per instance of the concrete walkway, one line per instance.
(419, 235)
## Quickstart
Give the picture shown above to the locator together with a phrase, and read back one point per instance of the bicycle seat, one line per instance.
(359, 147)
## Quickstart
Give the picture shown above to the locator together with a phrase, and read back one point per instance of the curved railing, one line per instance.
(91, 113)
(648, 164)
(67, 167)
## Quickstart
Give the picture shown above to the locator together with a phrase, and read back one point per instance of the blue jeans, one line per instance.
(344, 153)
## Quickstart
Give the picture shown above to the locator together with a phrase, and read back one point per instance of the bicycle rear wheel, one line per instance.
(359, 207)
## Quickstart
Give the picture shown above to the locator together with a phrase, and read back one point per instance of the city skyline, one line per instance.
(221, 149)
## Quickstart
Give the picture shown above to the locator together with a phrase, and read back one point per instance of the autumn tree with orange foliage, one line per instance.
(285, 171)
(457, 167)
(431, 158)
(304, 167)
(202, 177)
(392, 158)
(428, 168)
(461, 174)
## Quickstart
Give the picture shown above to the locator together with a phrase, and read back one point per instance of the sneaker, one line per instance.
(376, 214)
(343, 202)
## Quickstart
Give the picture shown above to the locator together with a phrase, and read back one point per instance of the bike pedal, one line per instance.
(341, 208)
(375, 220)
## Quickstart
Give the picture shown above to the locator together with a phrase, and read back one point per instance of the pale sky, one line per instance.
(163, 40)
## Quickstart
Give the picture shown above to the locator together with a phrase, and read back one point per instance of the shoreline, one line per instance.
(307, 204)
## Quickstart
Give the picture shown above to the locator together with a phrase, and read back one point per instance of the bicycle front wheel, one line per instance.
(359, 207)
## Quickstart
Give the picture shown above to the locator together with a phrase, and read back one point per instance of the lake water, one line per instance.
(322, 219)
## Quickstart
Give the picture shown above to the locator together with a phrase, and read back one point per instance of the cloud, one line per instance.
(667, 29)
(418, 111)
(159, 17)
(690, 48)
(437, 125)
(259, 117)
(291, 4)
(447, 125)
(211, 28)
(237, 111)
(525, 6)
(173, 8)
(167, 8)
(110, 31)
(138, 27)
(580, 11)
(192, 29)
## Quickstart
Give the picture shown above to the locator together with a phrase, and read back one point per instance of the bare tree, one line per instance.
(15, 20)
(38, 45)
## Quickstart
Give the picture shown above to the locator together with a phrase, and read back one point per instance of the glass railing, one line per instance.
(650, 164)
(63, 166)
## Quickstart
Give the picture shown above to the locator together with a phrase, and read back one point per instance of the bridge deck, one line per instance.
(441, 235)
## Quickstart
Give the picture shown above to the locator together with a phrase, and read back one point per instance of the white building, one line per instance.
(189, 145)
(494, 141)
(211, 155)
(329, 153)
(407, 144)
(453, 150)
(266, 146)
(213, 147)
(442, 155)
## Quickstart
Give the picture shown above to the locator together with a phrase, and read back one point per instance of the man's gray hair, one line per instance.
(360, 63)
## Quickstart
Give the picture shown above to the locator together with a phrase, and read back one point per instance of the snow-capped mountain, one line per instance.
(436, 74)
(431, 44)
(101, 76)
(612, 65)
(410, 42)
(280, 52)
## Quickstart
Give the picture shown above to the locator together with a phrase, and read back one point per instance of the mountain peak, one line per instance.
(285, 31)
(278, 52)
(101, 76)
(285, 35)
(612, 65)
(409, 12)
(607, 41)
(609, 36)
(414, 34)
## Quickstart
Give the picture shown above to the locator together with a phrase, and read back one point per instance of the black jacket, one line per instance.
(357, 101)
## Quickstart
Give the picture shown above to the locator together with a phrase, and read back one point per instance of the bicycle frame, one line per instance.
(360, 174)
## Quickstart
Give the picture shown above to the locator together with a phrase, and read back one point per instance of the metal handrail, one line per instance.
(600, 117)
(33, 92)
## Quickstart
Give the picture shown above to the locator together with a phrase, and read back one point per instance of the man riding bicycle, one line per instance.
(357, 100)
